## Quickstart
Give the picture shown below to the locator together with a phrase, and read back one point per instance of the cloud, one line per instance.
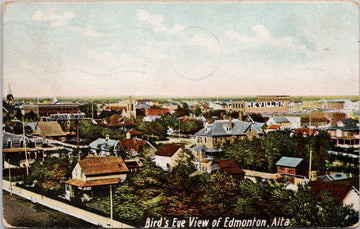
(157, 22)
(53, 18)
(153, 53)
(263, 38)
(106, 61)
(87, 31)
(205, 42)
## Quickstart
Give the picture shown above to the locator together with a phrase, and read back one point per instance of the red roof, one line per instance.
(135, 132)
(167, 150)
(229, 166)
(158, 111)
(133, 164)
(305, 130)
(118, 120)
(132, 143)
(102, 165)
(81, 183)
(274, 127)
(338, 190)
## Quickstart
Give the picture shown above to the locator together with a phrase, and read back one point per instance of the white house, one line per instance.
(92, 173)
(167, 155)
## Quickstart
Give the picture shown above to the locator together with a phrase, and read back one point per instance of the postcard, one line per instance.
(161, 114)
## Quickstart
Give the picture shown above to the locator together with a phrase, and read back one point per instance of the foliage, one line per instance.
(125, 204)
(262, 154)
(91, 132)
(183, 110)
(152, 129)
(50, 173)
(89, 110)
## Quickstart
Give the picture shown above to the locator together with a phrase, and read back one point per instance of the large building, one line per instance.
(263, 104)
(215, 135)
(49, 109)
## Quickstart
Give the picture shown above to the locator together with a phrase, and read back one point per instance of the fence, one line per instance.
(63, 207)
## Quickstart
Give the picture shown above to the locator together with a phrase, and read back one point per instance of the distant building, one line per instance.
(345, 134)
(130, 108)
(215, 135)
(51, 130)
(48, 109)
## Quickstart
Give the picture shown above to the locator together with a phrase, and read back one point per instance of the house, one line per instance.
(282, 121)
(220, 132)
(315, 118)
(166, 156)
(345, 134)
(157, 111)
(151, 118)
(117, 122)
(230, 167)
(105, 147)
(93, 174)
(134, 133)
(14, 148)
(274, 127)
(134, 146)
(292, 167)
(51, 130)
(333, 177)
(346, 194)
(305, 132)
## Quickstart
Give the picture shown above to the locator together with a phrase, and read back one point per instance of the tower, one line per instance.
(130, 108)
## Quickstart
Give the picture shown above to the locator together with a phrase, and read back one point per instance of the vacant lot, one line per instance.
(19, 212)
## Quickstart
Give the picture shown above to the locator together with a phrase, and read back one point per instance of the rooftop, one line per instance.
(102, 165)
(291, 162)
(167, 150)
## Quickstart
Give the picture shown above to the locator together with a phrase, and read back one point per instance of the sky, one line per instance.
(180, 49)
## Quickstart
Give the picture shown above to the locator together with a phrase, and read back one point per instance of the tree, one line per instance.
(221, 195)
(126, 206)
(50, 173)
(303, 209)
(89, 110)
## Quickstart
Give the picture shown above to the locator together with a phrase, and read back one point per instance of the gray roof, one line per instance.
(334, 177)
(103, 144)
(347, 125)
(291, 162)
(14, 138)
(280, 119)
(221, 128)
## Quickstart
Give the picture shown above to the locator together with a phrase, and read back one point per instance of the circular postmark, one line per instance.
(196, 53)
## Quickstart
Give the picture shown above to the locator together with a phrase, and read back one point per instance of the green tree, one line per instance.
(50, 173)
(221, 195)
(302, 208)
(126, 205)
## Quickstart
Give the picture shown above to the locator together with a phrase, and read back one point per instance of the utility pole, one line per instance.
(310, 165)
(10, 178)
(26, 158)
(111, 207)
(310, 146)
(92, 109)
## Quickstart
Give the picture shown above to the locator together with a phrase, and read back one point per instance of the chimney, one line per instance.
(230, 123)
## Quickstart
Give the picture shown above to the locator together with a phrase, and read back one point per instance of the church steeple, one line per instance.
(10, 97)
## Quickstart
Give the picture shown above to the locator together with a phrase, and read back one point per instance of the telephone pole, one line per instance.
(26, 158)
